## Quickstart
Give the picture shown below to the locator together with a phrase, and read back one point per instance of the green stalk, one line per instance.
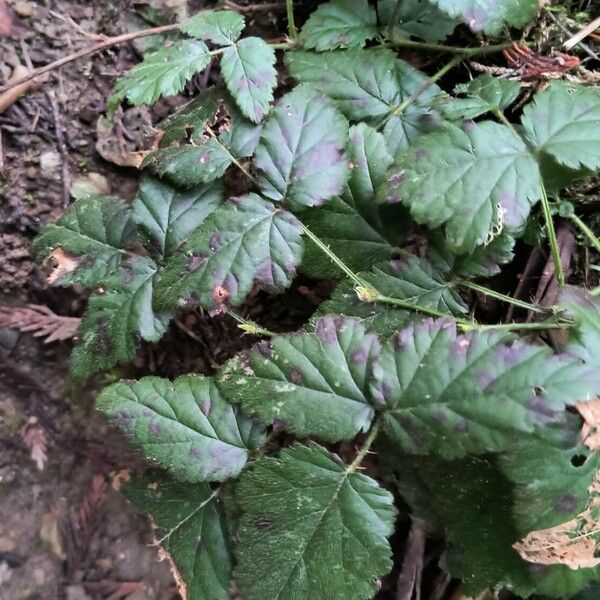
(292, 31)
(430, 312)
(394, 18)
(554, 249)
(589, 234)
(364, 450)
(465, 52)
(502, 297)
(540, 326)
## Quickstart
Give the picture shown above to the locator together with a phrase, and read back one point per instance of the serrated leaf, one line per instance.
(490, 16)
(452, 394)
(165, 216)
(584, 340)
(222, 27)
(300, 156)
(185, 425)
(194, 116)
(190, 525)
(294, 507)
(91, 236)
(163, 73)
(368, 85)
(311, 384)
(117, 316)
(477, 181)
(190, 165)
(246, 240)
(248, 68)
(355, 228)
(418, 18)
(242, 136)
(563, 121)
(340, 24)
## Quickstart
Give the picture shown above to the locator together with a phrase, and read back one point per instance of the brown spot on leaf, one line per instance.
(59, 264)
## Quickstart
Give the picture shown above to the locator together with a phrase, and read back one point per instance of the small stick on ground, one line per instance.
(409, 580)
(62, 148)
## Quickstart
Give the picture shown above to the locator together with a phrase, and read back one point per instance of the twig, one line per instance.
(581, 34)
(111, 41)
(472, 51)
(69, 21)
(250, 8)
(62, 148)
(409, 580)
(585, 48)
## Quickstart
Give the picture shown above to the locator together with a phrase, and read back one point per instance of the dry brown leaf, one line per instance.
(575, 543)
(590, 432)
(9, 97)
(50, 533)
(40, 321)
(58, 264)
(35, 439)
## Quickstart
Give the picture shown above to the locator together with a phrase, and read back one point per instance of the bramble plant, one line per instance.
(477, 429)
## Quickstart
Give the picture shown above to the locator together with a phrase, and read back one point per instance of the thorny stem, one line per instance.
(249, 326)
(234, 160)
(539, 326)
(554, 249)
(431, 312)
(502, 118)
(364, 450)
(465, 52)
(293, 32)
(589, 234)
(502, 297)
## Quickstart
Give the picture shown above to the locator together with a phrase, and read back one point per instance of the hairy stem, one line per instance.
(292, 31)
(502, 297)
(465, 52)
(554, 249)
(364, 450)
(394, 18)
(589, 234)
(539, 326)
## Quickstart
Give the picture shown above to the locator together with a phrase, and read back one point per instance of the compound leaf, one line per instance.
(311, 384)
(340, 24)
(478, 181)
(455, 394)
(190, 165)
(185, 425)
(117, 316)
(353, 225)
(311, 528)
(490, 16)
(300, 156)
(248, 68)
(222, 27)
(563, 122)
(246, 240)
(166, 216)
(163, 73)
(87, 242)
(191, 527)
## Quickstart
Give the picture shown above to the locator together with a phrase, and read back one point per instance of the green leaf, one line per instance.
(194, 116)
(190, 165)
(356, 229)
(222, 27)
(368, 85)
(163, 73)
(311, 384)
(490, 16)
(563, 121)
(242, 136)
(248, 68)
(418, 18)
(185, 425)
(92, 234)
(379, 318)
(244, 241)
(300, 156)
(311, 529)
(478, 181)
(117, 316)
(455, 394)
(340, 24)
(190, 526)
(483, 94)
(584, 340)
(165, 216)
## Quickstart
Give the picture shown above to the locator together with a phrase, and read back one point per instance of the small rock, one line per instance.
(23, 8)
(49, 161)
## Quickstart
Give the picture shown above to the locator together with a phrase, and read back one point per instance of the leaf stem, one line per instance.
(502, 118)
(589, 234)
(394, 18)
(234, 160)
(249, 326)
(502, 297)
(431, 312)
(539, 326)
(465, 52)
(554, 249)
(364, 450)
(292, 31)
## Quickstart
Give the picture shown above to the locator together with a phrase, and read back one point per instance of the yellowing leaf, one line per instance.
(575, 543)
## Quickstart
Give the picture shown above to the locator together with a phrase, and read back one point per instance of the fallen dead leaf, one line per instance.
(35, 439)
(59, 264)
(575, 543)
(8, 98)
(590, 432)
(50, 533)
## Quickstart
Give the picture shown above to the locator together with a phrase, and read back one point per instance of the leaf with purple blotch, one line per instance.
(474, 393)
(300, 157)
(248, 68)
(222, 27)
(184, 425)
(247, 240)
(313, 383)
